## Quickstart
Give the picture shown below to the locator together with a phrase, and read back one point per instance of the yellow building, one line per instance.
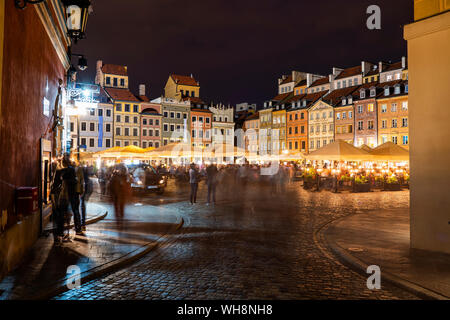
(180, 87)
(321, 125)
(278, 129)
(111, 75)
(126, 117)
(127, 107)
(265, 131)
(393, 124)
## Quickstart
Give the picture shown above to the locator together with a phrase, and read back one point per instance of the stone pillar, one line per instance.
(429, 116)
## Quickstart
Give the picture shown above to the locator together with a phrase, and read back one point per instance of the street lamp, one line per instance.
(77, 14)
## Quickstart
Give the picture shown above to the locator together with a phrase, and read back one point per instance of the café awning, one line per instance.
(121, 152)
(390, 152)
(339, 150)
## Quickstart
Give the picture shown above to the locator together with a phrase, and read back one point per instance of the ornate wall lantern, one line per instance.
(77, 15)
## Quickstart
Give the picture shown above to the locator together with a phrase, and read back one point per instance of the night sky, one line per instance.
(238, 49)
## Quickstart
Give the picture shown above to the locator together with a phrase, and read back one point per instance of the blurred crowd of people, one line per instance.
(232, 178)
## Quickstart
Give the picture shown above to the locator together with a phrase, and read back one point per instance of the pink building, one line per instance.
(151, 122)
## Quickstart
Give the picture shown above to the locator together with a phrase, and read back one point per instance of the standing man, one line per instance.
(211, 176)
(88, 188)
(193, 180)
(70, 177)
(60, 200)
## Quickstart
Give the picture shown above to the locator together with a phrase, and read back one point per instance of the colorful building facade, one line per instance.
(151, 125)
(201, 124)
(393, 120)
(366, 118)
(176, 120)
(321, 125)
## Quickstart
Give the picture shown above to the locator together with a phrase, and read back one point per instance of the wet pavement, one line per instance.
(105, 243)
(253, 244)
(382, 238)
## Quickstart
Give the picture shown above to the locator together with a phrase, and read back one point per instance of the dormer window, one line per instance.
(304, 103)
(406, 88)
(373, 92)
(344, 101)
(350, 100)
(362, 94)
(386, 91)
(397, 89)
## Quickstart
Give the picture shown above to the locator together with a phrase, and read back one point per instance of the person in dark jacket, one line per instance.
(60, 200)
(70, 178)
(193, 180)
(120, 190)
(211, 176)
(88, 188)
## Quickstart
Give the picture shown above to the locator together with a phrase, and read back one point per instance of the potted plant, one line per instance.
(392, 184)
(379, 181)
(362, 184)
(308, 180)
(344, 180)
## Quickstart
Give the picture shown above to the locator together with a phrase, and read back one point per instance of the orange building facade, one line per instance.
(201, 124)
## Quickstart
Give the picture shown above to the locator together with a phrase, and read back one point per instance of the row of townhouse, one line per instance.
(366, 104)
(122, 118)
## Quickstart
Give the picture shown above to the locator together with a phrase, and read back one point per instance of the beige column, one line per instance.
(429, 116)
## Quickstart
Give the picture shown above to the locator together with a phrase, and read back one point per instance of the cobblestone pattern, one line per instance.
(254, 244)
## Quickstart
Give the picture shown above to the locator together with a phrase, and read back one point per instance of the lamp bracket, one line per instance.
(22, 4)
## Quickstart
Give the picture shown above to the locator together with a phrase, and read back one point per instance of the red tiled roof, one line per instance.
(193, 100)
(253, 116)
(349, 72)
(115, 69)
(242, 115)
(372, 72)
(335, 96)
(144, 98)
(301, 83)
(201, 110)
(393, 66)
(287, 80)
(390, 83)
(315, 96)
(121, 94)
(281, 97)
(296, 98)
(320, 81)
(184, 80)
(310, 98)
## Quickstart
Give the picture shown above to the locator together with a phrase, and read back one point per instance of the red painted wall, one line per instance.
(29, 60)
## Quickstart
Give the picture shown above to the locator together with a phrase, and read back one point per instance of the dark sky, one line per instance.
(238, 49)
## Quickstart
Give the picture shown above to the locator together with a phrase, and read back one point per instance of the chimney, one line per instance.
(365, 67)
(142, 89)
(331, 79)
(99, 74)
(309, 79)
(403, 62)
(99, 65)
(380, 66)
(192, 76)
